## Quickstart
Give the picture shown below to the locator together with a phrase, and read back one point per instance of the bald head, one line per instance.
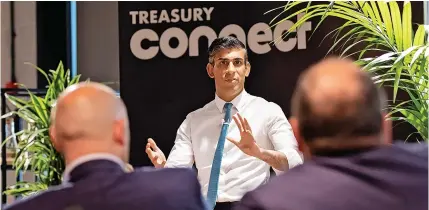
(335, 98)
(87, 110)
(89, 118)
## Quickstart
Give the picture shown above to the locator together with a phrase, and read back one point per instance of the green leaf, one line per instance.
(396, 23)
(19, 103)
(385, 14)
(418, 54)
(349, 34)
(419, 36)
(41, 109)
(395, 86)
(407, 28)
(41, 71)
(376, 14)
(25, 189)
(398, 66)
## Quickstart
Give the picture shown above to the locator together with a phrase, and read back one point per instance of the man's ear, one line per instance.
(386, 129)
(119, 132)
(248, 66)
(209, 69)
(302, 146)
(295, 128)
(52, 135)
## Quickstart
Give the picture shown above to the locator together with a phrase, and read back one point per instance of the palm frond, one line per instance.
(377, 26)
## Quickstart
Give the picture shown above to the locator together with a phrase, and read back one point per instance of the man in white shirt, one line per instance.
(260, 137)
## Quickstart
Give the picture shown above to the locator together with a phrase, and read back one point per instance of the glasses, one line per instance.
(224, 63)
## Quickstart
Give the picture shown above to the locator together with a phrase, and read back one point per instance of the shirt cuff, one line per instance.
(294, 158)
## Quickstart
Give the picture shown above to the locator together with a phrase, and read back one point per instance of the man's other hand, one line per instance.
(155, 155)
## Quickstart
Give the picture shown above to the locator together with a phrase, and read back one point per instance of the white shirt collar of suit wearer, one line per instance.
(86, 158)
(238, 102)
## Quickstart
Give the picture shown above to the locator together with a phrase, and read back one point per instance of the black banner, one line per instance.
(163, 58)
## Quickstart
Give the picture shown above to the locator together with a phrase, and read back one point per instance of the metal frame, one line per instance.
(4, 165)
(426, 12)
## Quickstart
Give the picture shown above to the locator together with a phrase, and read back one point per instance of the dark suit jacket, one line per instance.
(103, 185)
(386, 178)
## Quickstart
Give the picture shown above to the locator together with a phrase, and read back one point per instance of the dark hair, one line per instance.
(227, 42)
(354, 117)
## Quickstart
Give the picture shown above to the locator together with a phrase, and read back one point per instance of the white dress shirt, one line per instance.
(199, 133)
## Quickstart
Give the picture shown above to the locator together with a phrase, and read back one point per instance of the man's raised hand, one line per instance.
(155, 155)
(246, 143)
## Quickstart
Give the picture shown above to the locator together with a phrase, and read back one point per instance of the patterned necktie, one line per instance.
(217, 160)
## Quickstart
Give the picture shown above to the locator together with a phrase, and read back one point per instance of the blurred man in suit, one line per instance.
(89, 127)
(350, 162)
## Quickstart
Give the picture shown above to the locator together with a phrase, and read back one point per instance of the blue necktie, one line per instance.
(217, 160)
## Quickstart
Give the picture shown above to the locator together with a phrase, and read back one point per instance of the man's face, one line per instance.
(229, 69)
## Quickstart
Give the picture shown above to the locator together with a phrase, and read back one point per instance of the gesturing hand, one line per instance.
(155, 155)
(247, 143)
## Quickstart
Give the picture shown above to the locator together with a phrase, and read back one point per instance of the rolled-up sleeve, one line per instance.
(281, 135)
(182, 155)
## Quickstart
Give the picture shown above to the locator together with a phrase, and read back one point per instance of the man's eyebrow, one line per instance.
(230, 59)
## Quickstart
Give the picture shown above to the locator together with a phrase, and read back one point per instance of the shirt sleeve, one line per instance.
(181, 154)
(281, 135)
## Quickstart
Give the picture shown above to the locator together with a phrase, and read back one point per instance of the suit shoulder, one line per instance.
(416, 149)
(180, 182)
(291, 184)
(168, 175)
(40, 200)
(179, 172)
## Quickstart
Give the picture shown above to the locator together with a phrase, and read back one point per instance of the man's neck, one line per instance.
(72, 163)
(229, 95)
(346, 145)
(85, 148)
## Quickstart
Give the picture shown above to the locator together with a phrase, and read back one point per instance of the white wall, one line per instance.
(25, 42)
(98, 37)
(25, 51)
(98, 41)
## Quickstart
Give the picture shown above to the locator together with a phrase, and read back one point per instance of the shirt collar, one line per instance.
(238, 102)
(86, 158)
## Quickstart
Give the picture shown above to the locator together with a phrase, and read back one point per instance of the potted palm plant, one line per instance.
(35, 151)
(401, 58)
